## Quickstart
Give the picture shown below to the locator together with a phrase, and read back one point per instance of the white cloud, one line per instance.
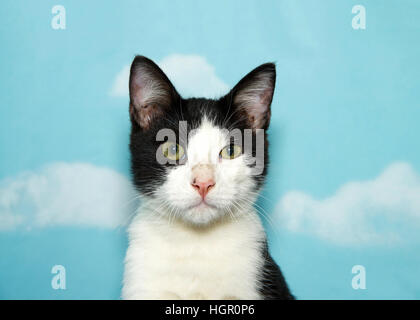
(120, 86)
(192, 76)
(66, 194)
(385, 210)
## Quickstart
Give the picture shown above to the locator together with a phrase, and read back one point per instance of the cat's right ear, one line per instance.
(151, 92)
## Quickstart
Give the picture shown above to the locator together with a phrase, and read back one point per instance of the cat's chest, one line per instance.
(171, 261)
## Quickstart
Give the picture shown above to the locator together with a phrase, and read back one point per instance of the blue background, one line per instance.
(346, 106)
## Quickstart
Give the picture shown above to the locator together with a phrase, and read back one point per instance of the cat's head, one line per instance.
(198, 159)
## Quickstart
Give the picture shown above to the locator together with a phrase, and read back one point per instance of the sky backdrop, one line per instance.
(343, 186)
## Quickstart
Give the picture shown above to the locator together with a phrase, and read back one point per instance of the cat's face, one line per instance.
(199, 160)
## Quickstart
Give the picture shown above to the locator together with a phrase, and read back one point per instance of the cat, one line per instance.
(196, 234)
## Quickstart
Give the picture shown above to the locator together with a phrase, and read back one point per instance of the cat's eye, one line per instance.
(231, 151)
(172, 150)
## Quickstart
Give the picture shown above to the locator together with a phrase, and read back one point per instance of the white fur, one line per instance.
(178, 250)
(174, 261)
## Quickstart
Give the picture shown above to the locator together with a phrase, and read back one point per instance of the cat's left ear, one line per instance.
(253, 95)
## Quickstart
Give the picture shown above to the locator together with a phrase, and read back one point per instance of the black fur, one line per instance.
(273, 284)
(148, 174)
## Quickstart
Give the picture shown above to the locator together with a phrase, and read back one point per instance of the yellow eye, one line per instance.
(231, 152)
(172, 150)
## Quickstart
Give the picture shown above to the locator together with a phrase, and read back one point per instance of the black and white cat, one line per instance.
(196, 234)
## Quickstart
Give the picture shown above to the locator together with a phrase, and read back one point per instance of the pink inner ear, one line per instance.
(146, 114)
(256, 104)
(142, 87)
(254, 95)
(266, 97)
(147, 87)
(136, 90)
(149, 97)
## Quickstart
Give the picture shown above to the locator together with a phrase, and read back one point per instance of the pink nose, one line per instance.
(203, 187)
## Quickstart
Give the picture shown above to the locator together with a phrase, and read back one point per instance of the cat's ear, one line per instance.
(253, 95)
(151, 92)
